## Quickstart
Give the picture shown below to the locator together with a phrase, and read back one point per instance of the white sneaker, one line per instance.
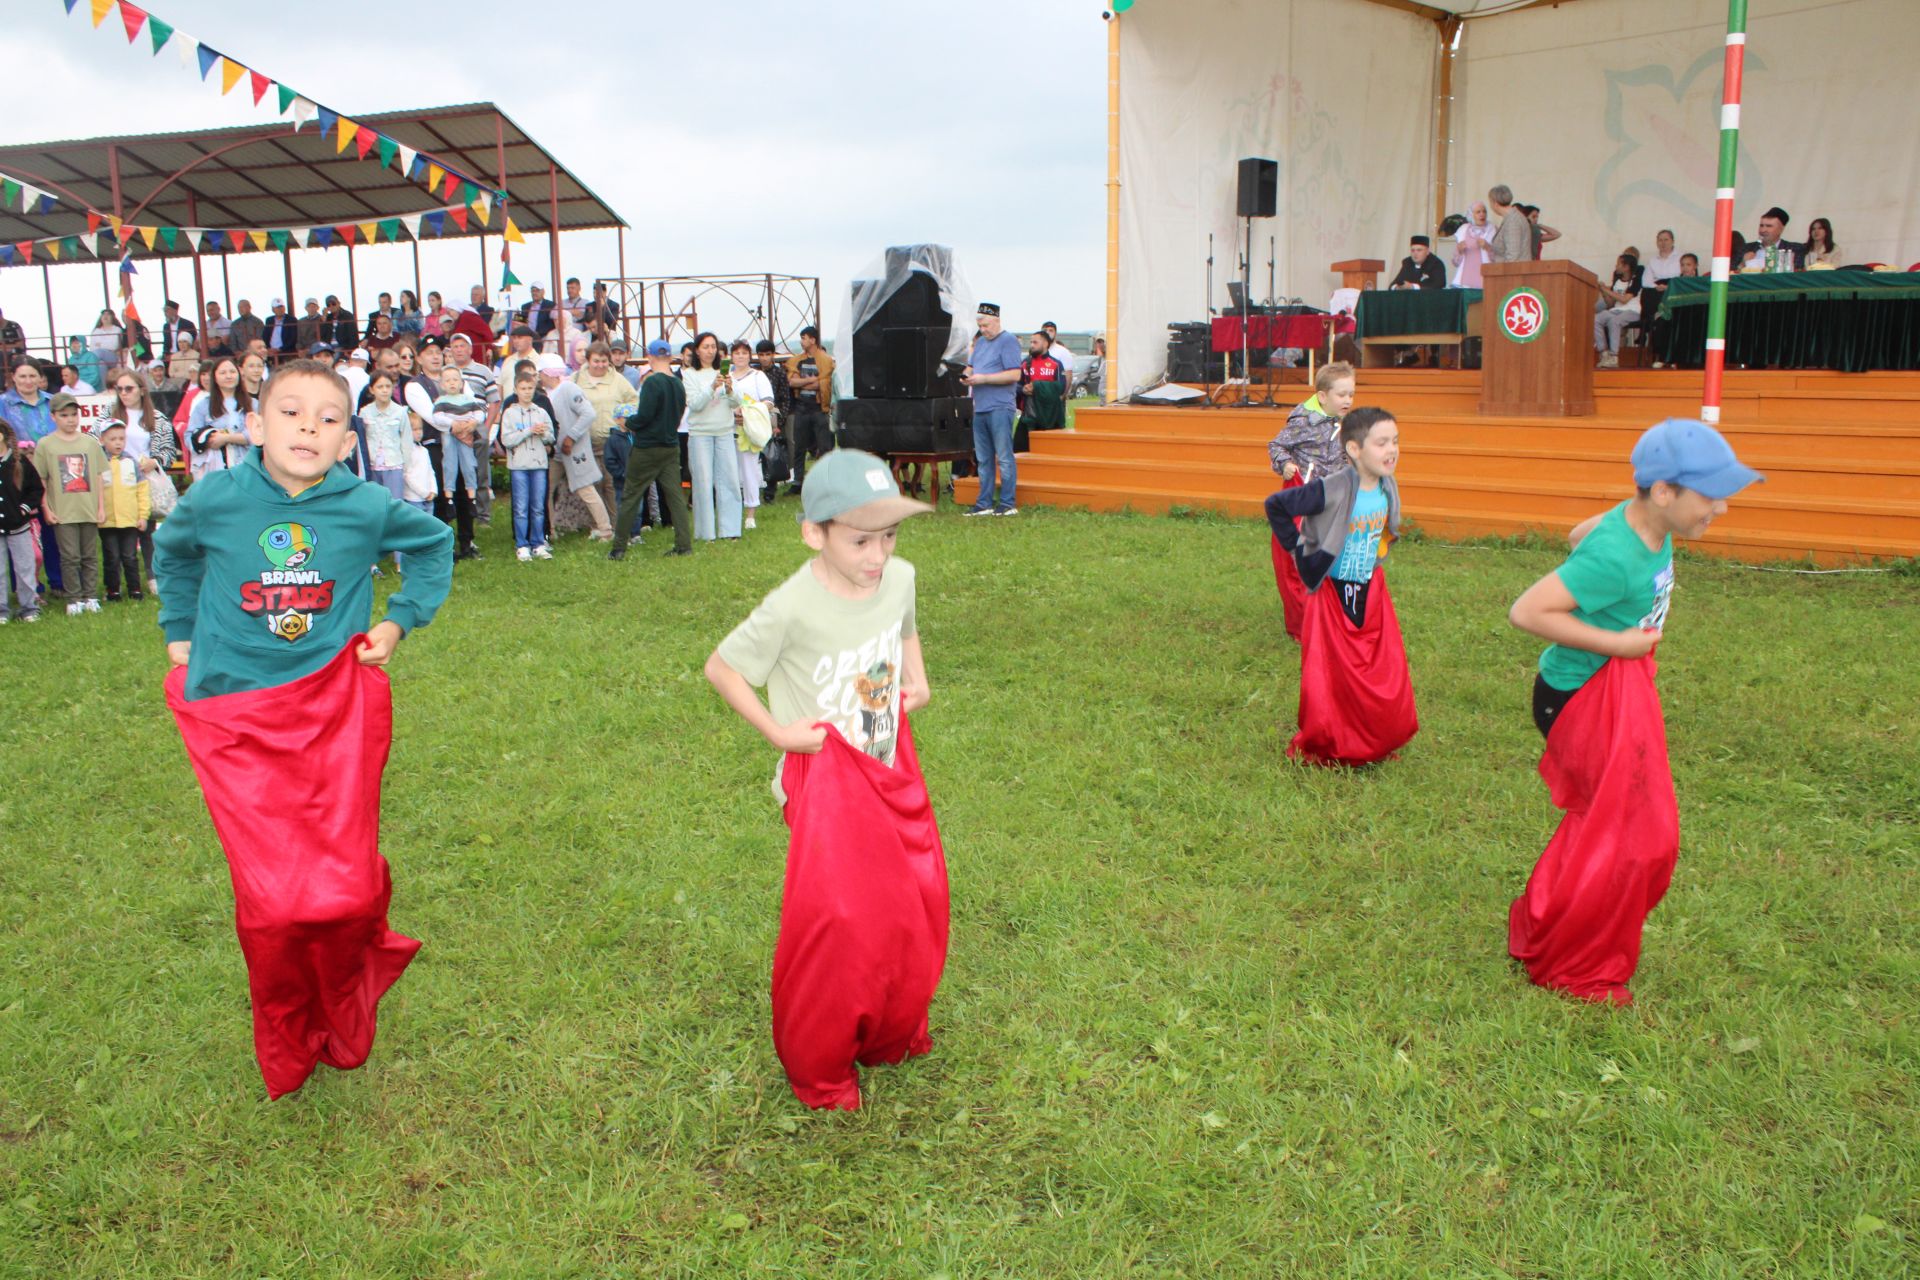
(30, 617)
(522, 554)
(5, 621)
(153, 586)
(91, 606)
(542, 552)
(75, 608)
(748, 523)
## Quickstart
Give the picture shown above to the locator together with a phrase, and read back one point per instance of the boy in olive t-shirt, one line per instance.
(836, 643)
(1577, 926)
(72, 469)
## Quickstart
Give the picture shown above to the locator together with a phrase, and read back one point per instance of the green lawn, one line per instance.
(1206, 1014)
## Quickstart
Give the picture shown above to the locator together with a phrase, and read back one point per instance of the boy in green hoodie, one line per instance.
(266, 579)
(265, 569)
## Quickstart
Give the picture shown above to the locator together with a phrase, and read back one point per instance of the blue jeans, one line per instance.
(993, 446)
(529, 508)
(716, 485)
(460, 464)
(619, 447)
(393, 481)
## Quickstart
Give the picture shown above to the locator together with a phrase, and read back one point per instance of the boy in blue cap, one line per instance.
(1577, 927)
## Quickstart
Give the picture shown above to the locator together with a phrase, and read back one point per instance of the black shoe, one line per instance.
(136, 596)
(618, 553)
(113, 597)
(793, 490)
(678, 551)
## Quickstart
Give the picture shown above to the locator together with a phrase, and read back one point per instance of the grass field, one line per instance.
(1206, 1013)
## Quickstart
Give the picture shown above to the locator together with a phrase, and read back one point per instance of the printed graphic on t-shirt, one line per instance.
(73, 473)
(1656, 619)
(1362, 546)
(289, 595)
(858, 692)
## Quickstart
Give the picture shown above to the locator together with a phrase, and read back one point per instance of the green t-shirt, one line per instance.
(823, 657)
(1617, 585)
(74, 472)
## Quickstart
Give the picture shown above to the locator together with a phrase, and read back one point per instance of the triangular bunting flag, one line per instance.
(259, 239)
(388, 150)
(363, 142)
(323, 236)
(468, 192)
(187, 49)
(407, 157)
(280, 239)
(75, 246)
(506, 252)
(53, 249)
(434, 174)
(9, 190)
(100, 10)
(123, 231)
(412, 223)
(390, 228)
(453, 186)
(149, 234)
(159, 32)
(436, 221)
(347, 231)
(513, 233)
(207, 58)
(230, 73)
(507, 278)
(459, 217)
(260, 86)
(133, 17)
(168, 235)
(6, 250)
(286, 98)
(25, 247)
(370, 232)
(238, 239)
(69, 4)
(326, 118)
(348, 130)
(93, 222)
(417, 169)
(483, 203)
(480, 209)
(127, 269)
(302, 112)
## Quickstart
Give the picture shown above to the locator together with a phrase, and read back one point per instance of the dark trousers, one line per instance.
(812, 435)
(654, 466)
(50, 553)
(120, 551)
(457, 510)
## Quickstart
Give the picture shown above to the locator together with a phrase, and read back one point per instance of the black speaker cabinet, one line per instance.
(896, 353)
(943, 424)
(1259, 188)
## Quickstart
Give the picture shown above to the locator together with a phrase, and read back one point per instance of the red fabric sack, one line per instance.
(1356, 693)
(1577, 926)
(291, 776)
(863, 920)
(1286, 576)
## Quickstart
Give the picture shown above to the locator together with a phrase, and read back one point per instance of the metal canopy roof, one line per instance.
(269, 177)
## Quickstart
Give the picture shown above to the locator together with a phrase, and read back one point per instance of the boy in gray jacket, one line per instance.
(526, 430)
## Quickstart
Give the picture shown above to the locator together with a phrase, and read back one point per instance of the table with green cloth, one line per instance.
(1844, 320)
(1389, 313)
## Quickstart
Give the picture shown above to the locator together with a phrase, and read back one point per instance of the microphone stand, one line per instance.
(1206, 357)
(1271, 308)
(1246, 317)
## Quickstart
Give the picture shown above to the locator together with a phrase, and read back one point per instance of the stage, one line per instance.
(1841, 453)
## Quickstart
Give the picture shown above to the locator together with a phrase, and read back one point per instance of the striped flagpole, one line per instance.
(1723, 212)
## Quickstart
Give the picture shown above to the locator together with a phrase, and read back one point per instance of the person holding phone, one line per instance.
(713, 458)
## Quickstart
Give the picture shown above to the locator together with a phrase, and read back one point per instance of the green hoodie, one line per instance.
(270, 587)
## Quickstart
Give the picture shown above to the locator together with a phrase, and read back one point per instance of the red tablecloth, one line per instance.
(1268, 333)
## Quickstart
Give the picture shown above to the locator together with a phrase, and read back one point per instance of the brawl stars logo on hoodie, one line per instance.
(288, 595)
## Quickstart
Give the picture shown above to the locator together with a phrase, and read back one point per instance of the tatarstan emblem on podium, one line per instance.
(1523, 316)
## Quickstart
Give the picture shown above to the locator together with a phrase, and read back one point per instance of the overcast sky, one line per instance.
(757, 136)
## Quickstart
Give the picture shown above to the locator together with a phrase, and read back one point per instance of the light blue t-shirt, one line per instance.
(1362, 548)
(995, 355)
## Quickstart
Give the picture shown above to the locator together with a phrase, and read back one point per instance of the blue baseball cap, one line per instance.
(659, 347)
(1689, 453)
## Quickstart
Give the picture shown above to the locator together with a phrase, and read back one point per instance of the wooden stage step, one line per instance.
(1841, 454)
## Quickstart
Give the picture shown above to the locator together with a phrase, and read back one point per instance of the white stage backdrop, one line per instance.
(1340, 93)
(1606, 114)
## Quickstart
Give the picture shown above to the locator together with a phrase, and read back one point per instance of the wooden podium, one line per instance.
(1537, 353)
(1360, 273)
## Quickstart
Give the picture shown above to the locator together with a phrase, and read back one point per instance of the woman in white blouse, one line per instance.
(106, 340)
(217, 424)
(749, 383)
(711, 400)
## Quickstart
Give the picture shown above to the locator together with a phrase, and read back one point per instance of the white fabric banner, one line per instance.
(1606, 114)
(1340, 93)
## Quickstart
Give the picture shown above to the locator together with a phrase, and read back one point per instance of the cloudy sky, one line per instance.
(756, 136)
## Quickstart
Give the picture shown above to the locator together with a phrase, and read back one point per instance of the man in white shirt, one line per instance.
(482, 385)
(356, 374)
(576, 306)
(1058, 349)
(218, 327)
(1663, 266)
